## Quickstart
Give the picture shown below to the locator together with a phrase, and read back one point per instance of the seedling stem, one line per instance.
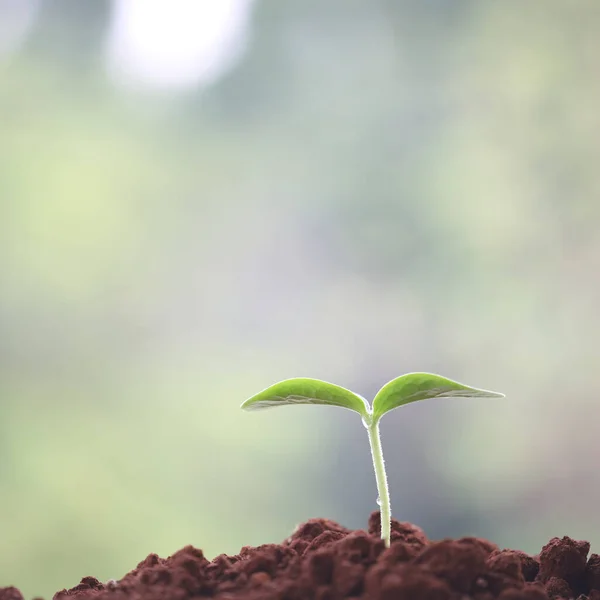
(381, 478)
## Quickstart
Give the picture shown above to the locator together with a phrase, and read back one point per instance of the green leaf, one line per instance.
(300, 390)
(420, 386)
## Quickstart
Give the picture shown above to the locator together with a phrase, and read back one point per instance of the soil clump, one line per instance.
(322, 560)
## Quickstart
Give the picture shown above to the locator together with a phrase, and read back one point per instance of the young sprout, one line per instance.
(398, 392)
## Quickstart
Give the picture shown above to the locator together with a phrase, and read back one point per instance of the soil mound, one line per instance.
(325, 561)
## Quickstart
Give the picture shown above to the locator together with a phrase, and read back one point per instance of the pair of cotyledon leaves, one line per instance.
(398, 392)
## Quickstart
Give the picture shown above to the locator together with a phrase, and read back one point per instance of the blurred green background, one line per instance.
(198, 199)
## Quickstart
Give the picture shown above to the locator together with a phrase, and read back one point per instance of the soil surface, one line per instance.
(325, 561)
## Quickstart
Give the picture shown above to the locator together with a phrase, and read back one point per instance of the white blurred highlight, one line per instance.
(177, 44)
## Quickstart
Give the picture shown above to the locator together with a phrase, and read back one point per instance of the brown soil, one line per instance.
(324, 561)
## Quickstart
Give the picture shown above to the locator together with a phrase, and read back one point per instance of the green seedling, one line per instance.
(398, 392)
